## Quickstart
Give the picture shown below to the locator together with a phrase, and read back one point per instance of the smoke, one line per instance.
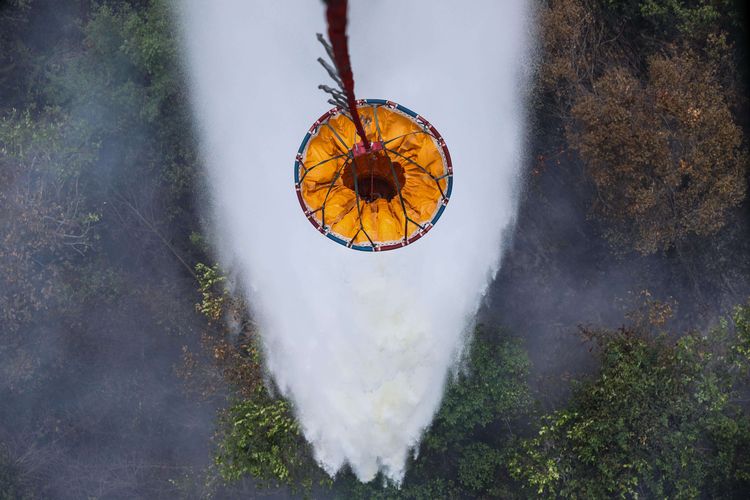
(361, 343)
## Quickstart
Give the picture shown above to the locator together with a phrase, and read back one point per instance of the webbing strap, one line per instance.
(336, 17)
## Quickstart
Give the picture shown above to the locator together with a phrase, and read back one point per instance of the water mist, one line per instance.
(361, 343)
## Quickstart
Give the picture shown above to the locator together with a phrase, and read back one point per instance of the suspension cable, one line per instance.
(336, 17)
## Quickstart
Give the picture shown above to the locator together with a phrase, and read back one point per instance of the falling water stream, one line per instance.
(361, 343)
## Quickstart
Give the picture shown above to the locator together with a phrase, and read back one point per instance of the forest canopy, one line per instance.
(131, 366)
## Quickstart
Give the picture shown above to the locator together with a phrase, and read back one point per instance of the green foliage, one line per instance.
(658, 420)
(211, 284)
(666, 20)
(691, 20)
(478, 466)
(741, 346)
(49, 145)
(130, 66)
(126, 91)
(262, 439)
(199, 242)
(259, 436)
(492, 386)
(149, 42)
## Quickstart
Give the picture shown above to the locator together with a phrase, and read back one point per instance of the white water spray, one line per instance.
(361, 343)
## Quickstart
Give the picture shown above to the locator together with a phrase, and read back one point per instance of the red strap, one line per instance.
(336, 16)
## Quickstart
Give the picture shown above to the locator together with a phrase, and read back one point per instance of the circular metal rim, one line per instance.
(377, 248)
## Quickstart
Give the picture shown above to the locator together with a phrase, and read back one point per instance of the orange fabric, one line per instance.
(418, 165)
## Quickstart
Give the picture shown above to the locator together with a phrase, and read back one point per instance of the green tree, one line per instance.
(127, 91)
(261, 439)
(661, 419)
(492, 389)
(648, 23)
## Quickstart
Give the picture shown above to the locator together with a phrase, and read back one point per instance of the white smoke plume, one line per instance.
(361, 343)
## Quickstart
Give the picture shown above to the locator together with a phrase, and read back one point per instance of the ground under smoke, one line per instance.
(362, 343)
